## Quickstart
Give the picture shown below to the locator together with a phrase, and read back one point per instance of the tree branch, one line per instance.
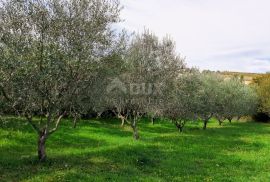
(120, 116)
(57, 123)
(4, 93)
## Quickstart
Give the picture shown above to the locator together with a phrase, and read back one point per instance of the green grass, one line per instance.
(103, 151)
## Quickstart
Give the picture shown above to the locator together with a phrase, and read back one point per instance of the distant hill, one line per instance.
(247, 78)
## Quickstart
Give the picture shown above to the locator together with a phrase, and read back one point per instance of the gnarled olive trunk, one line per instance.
(41, 146)
(122, 121)
(121, 117)
(43, 134)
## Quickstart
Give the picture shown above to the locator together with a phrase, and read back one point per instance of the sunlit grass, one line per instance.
(103, 151)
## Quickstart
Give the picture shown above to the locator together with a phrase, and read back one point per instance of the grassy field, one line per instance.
(103, 151)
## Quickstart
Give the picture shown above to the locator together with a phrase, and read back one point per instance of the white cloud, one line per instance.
(211, 34)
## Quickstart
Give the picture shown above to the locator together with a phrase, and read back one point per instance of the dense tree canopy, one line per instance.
(50, 53)
(235, 100)
(180, 102)
(63, 59)
(149, 64)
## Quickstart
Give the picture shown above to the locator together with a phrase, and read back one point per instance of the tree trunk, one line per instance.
(135, 133)
(41, 146)
(122, 122)
(99, 115)
(230, 120)
(152, 120)
(180, 126)
(75, 122)
(205, 124)
(180, 129)
(135, 129)
(220, 122)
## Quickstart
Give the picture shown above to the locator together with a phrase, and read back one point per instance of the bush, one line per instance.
(262, 84)
(261, 117)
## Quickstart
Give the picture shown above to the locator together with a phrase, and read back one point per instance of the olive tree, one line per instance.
(235, 100)
(208, 96)
(228, 95)
(156, 66)
(181, 99)
(148, 64)
(134, 86)
(249, 102)
(51, 51)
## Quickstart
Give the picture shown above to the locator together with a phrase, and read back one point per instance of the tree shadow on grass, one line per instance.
(170, 157)
(242, 129)
(157, 129)
(110, 130)
(122, 161)
(138, 163)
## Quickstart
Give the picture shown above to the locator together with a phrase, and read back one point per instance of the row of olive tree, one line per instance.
(138, 88)
(62, 58)
(201, 96)
(156, 82)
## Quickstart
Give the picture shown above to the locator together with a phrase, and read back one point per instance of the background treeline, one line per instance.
(262, 85)
(64, 59)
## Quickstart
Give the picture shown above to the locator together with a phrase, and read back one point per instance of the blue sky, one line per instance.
(232, 35)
